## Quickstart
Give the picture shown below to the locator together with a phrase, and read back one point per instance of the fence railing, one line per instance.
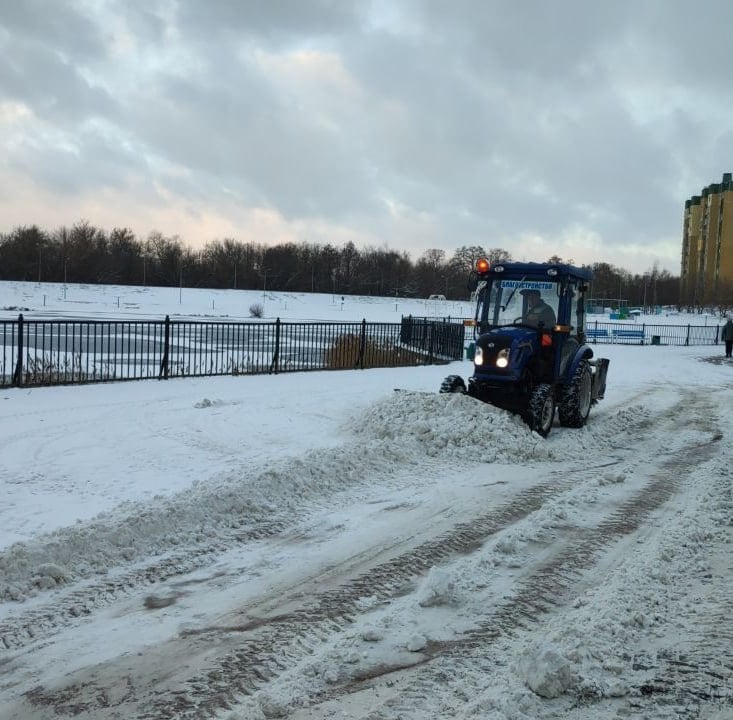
(443, 335)
(55, 352)
(631, 333)
(652, 334)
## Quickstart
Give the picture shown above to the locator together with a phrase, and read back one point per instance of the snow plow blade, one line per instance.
(599, 377)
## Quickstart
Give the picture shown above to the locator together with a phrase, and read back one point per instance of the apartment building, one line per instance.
(706, 276)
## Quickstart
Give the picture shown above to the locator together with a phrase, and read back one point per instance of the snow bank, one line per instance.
(396, 433)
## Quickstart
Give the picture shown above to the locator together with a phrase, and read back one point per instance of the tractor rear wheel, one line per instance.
(453, 384)
(541, 409)
(575, 403)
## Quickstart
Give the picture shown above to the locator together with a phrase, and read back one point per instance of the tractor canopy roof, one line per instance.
(538, 271)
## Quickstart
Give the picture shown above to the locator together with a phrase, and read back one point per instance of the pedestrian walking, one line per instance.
(726, 335)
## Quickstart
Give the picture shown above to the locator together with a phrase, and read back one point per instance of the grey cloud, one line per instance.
(517, 38)
(52, 86)
(485, 118)
(59, 25)
(253, 143)
(92, 158)
(456, 137)
(275, 20)
(146, 20)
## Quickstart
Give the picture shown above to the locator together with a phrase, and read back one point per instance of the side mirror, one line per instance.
(472, 280)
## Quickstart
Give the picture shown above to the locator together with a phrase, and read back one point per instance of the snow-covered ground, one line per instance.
(39, 300)
(356, 545)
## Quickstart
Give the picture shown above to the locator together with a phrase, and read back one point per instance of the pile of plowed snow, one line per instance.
(450, 425)
(457, 426)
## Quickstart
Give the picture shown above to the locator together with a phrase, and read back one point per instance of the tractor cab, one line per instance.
(545, 300)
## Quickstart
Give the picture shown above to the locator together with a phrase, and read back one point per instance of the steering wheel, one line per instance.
(522, 322)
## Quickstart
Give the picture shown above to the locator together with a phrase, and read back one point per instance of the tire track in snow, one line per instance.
(683, 685)
(84, 596)
(268, 647)
(280, 643)
(538, 595)
(272, 646)
(40, 623)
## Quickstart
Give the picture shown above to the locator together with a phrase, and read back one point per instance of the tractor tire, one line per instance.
(541, 410)
(453, 384)
(574, 406)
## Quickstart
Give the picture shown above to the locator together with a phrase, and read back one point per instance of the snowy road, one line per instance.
(406, 555)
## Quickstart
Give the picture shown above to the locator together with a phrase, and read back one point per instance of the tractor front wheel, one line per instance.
(541, 410)
(453, 384)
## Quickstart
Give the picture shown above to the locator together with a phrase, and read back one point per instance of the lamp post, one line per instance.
(263, 272)
(620, 287)
(646, 280)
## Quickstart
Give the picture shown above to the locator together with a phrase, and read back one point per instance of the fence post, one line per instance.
(687, 339)
(431, 328)
(166, 347)
(643, 330)
(406, 330)
(274, 365)
(362, 345)
(460, 353)
(18, 374)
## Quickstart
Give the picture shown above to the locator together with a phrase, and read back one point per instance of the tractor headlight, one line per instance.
(502, 358)
(478, 356)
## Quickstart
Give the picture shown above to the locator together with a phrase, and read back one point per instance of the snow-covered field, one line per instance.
(53, 300)
(353, 544)
(41, 300)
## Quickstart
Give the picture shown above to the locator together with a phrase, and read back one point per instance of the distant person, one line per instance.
(726, 335)
(539, 313)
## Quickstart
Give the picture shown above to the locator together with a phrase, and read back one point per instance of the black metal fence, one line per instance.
(632, 333)
(55, 352)
(442, 335)
(602, 332)
(652, 334)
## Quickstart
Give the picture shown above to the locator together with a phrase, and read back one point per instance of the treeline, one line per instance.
(87, 254)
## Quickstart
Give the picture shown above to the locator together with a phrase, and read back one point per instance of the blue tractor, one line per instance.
(529, 354)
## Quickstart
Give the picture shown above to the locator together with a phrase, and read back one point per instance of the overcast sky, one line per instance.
(573, 127)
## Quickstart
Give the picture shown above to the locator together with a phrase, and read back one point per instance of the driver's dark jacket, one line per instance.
(540, 313)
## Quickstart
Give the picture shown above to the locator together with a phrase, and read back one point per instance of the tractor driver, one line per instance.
(539, 313)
